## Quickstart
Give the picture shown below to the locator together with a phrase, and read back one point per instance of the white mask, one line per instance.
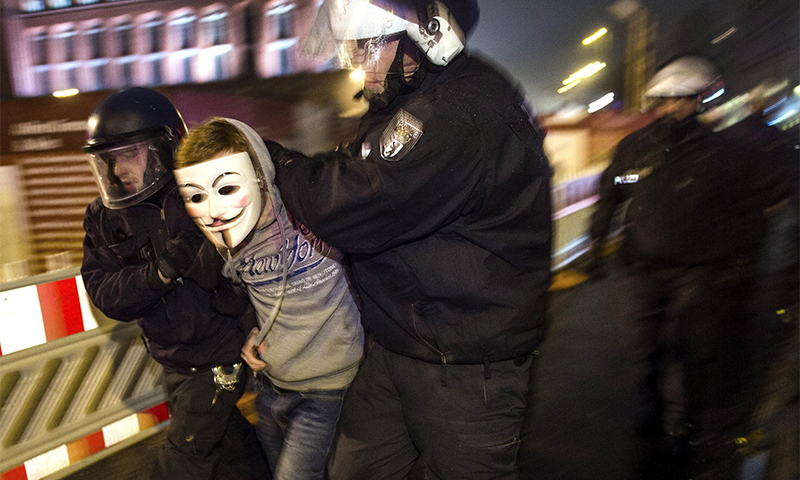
(223, 197)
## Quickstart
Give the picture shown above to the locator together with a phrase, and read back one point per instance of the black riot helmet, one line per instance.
(130, 140)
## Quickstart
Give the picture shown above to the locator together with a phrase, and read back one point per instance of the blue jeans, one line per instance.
(296, 429)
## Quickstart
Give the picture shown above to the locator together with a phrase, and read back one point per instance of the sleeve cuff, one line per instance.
(154, 280)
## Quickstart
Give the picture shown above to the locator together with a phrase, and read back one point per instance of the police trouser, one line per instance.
(208, 439)
(693, 317)
(457, 422)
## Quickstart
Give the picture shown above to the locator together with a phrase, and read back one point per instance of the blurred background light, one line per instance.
(595, 36)
(358, 75)
(601, 102)
(66, 93)
(585, 72)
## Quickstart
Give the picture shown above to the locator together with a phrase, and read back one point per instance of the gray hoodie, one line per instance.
(316, 340)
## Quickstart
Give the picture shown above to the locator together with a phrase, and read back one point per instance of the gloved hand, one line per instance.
(281, 156)
(231, 300)
(189, 255)
(595, 266)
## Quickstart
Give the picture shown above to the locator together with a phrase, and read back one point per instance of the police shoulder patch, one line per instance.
(400, 136)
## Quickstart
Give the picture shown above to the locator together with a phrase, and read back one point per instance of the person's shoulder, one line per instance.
(95, 207)
(478, 77)
(471, 91)
(651, 133)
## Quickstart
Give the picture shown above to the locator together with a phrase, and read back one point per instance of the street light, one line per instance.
(595, 36)
(66, 93)
(585, 72)
(568, 86)
(601, 102)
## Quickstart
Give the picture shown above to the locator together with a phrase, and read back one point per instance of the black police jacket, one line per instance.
(443, 203)
(182, 329)
(696, 197)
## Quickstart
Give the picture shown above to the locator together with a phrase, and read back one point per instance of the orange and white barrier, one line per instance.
(69, 396)
(37, 314)
(70, 453)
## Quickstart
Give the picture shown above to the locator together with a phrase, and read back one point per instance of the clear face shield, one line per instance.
(355, 33)
(130, 173)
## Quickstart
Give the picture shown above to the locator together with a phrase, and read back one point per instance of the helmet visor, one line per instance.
(130, 173)
(353, 33)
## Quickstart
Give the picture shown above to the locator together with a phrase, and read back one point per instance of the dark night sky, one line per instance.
(539, 41)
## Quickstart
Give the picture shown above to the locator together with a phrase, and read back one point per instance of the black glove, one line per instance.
(281, 156)
(231, 300)
(189, 255)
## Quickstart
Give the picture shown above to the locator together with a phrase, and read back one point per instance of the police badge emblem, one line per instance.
(400, 136)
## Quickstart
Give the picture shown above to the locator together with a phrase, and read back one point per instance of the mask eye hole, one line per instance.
(228, 189)
(198, 198)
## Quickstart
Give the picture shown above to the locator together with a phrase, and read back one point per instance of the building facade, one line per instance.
(92, 45)
(237, 59)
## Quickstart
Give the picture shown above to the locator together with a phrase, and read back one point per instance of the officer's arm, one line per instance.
(121, 293)
(366, 205)
(610, 197)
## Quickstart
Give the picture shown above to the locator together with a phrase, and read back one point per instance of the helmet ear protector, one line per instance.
(437, 34)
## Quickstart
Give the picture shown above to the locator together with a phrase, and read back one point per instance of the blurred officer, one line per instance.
(693, 228)
(141, 262)
(774, 368)
(443, 203)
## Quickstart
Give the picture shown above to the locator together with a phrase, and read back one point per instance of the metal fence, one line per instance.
(66, 389)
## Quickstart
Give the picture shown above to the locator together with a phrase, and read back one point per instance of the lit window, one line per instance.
(183, 28)
(124, 38)
(187, 69)
(72, 77)
(282, 16)
(127, 74)
(99, 76)
(219, 71)
(69, 45)
(31, 5)
(43, 81)
(154, 32)
(59, 3)
(216, 27)
(40, 49)
(284, 67)
(156, 77)
(95, 42)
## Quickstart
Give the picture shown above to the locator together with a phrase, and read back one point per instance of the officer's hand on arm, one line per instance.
(251, 355)
(280, 156)
(231, 300)
(188, 255)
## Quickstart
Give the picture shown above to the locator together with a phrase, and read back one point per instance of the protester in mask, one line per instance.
(310, 340)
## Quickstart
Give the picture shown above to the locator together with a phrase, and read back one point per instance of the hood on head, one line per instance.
(263, 164)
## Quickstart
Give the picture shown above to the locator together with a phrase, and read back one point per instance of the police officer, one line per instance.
(692, 229)
(141, 262)
(443, 203)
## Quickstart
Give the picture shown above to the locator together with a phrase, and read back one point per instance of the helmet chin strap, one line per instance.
(396, 82)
